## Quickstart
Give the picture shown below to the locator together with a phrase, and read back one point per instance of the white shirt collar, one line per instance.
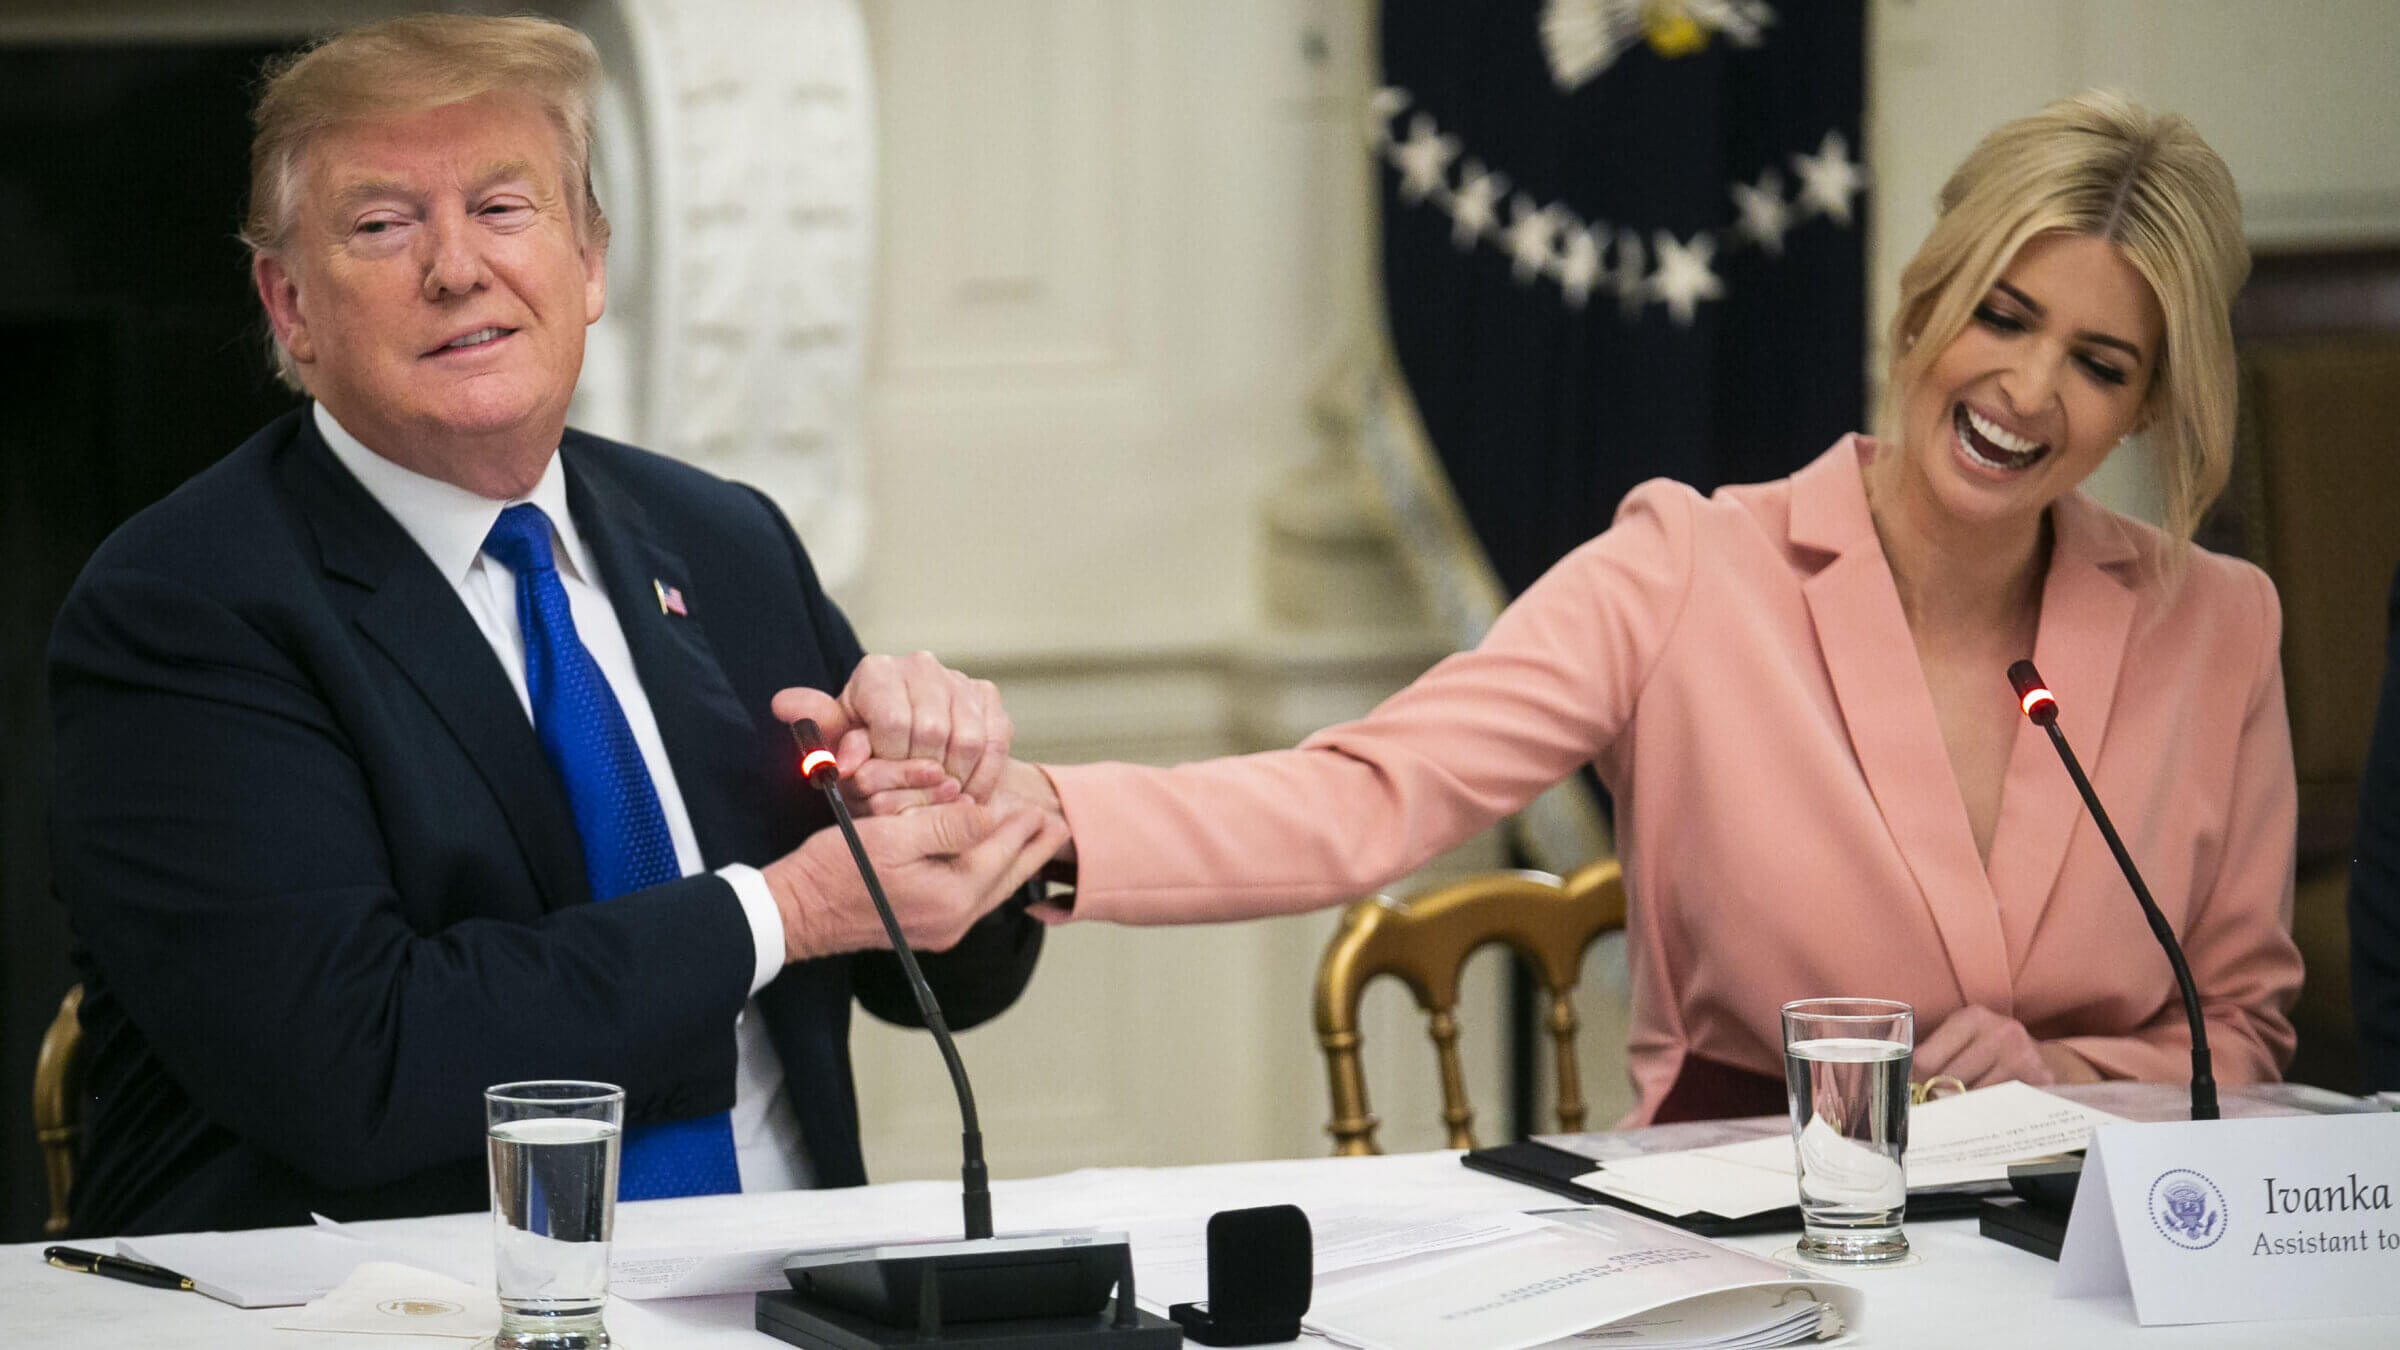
(446, 520)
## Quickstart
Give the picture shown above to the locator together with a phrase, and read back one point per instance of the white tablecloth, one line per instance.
(1961, 1290)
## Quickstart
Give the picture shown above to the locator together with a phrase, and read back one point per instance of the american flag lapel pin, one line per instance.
(670, 599)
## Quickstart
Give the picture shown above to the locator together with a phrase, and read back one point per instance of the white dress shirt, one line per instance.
(449, 523)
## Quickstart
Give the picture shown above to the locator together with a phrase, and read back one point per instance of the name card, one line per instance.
(2240, 1220)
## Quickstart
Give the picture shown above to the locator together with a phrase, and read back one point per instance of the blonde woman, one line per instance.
(1796, 691)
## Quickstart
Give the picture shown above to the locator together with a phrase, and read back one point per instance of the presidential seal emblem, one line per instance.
(2187, 1209)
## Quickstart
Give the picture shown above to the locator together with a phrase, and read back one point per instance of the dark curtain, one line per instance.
(1621, 241)
(130, 358)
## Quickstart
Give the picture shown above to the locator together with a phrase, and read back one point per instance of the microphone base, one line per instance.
(1030, 1292)
(795, 1320)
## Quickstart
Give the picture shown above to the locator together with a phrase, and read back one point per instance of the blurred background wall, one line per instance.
(1117, 281)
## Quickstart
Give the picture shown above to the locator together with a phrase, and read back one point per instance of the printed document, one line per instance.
(259, 1267)
(1952, 1141)
(1584, 1277)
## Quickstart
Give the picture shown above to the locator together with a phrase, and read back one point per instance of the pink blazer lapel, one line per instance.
(1872, 662)
(2088, 603)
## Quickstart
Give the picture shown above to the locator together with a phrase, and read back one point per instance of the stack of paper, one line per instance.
(258, 1268)
(1952, 1141)
(1578, 1278)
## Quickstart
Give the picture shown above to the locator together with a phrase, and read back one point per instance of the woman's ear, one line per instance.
(2153, 407)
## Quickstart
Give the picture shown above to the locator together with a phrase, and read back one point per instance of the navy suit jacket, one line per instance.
(326, 888)
(2375, 880)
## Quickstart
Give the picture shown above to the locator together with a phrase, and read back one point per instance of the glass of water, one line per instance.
(1845, 1061)
(553, 1148)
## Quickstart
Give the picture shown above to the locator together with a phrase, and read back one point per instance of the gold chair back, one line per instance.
(1424, 941)
(58, 1104)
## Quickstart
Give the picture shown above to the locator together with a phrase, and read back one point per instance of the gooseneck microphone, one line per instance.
(818, 767)
(1039, 1291)
(2041, 708)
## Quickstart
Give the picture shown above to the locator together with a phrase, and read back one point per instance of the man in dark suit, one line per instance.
(422, 744)
(2375, 881)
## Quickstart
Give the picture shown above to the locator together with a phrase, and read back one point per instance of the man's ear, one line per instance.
(595, 282)
(279, 295)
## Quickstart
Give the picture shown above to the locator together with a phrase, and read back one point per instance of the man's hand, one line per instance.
(942, 868)
(908, 731)
(1979, 1047)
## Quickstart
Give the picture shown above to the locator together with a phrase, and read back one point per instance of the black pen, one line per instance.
(114, 1267)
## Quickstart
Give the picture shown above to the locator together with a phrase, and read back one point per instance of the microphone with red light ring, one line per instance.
(818, 767)
(2041, 708)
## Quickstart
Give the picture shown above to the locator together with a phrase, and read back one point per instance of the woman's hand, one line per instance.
(1979, 1047)
(908, 731)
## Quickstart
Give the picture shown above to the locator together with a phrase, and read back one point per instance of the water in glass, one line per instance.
(554, 1180)
(1849, 1099)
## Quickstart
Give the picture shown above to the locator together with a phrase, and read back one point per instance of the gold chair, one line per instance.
(58, 1104)
(1425, 941)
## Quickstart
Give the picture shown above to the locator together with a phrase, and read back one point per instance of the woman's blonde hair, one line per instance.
(2098, 165)
(408, 65)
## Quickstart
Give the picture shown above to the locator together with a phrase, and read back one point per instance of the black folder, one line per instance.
(1554, 1170)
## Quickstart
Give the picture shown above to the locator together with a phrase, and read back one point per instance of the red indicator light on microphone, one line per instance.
(2032, 695)
(817, 764)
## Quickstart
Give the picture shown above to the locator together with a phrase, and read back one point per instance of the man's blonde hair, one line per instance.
(2098, 165)
(407, 65)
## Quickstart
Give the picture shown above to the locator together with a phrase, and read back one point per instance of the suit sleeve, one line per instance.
(2238, 939)
(976, 980)
(1473, 739)
(2375, 882)
(218, 842)
(980, 977)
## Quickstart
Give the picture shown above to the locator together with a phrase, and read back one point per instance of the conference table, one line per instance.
(1959, 1289)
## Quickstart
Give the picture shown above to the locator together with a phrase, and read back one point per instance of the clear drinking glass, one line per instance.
(1845, 1061)
(553, 1148)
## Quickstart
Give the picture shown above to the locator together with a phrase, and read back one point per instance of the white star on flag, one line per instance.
(1476, 207)
(1423, 158)
(1385, 105)
(1829, 178)
(1765, 216)
(1528, 236)
(1683, 278)
(1632, 291)
(1579, 264)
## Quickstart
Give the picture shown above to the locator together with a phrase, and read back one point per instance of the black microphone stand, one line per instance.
(2041, 708)
(974, 1179)
(2036, 1218)
(1045, 1291)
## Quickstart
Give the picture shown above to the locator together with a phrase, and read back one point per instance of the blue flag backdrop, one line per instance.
(1621, 239)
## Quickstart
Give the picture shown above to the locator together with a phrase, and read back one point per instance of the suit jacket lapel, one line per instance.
(2087, 611)
(410, 612)
(711, 739)
(725, 757)
(1872, 662)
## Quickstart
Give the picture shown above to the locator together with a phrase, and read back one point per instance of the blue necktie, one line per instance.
(625, 841)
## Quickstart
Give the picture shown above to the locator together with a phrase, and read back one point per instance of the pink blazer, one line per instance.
(1739, 671)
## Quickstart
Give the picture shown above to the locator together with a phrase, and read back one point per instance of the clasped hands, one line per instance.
(951, 823)
(1979, 1047)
